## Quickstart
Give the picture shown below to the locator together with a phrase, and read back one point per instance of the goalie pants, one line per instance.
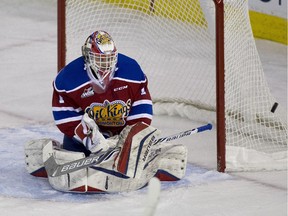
(72, 144)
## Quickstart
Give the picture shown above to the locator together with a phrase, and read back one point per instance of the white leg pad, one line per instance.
(173, 163)
(136, 142)
(104, 179)
(34, 156)
(71, 182)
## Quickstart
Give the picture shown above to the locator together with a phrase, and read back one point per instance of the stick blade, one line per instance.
(51, 166)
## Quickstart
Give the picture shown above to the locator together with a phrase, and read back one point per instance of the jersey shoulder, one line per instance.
(72, 76)
(129, 69)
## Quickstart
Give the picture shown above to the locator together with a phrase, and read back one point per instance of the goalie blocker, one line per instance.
(137, 162)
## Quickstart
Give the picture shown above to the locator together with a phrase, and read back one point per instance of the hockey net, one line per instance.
(174, 42)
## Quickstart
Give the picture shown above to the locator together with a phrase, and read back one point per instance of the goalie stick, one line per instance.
(54, 169)
(184, 133)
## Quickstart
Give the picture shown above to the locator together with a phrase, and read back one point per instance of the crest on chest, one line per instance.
(110, 114)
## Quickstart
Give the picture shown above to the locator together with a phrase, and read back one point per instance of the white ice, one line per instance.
(28, 53)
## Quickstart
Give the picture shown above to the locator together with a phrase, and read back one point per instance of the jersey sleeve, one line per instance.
(67, 115)
(142, 108)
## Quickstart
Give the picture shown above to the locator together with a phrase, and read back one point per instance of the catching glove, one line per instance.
(88, 133)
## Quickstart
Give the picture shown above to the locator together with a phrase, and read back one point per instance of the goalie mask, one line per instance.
(100, 55)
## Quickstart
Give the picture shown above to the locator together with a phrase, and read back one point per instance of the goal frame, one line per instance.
(220, 71)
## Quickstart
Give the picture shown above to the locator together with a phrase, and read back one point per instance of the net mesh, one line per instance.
(174, 42)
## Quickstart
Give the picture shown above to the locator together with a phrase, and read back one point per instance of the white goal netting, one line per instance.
(174, 42)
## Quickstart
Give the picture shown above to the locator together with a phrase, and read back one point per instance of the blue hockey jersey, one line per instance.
(126, 101)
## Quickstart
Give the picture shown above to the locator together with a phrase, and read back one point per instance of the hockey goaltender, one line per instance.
(102, 105)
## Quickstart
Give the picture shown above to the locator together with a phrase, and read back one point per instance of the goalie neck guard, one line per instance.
(100, 55)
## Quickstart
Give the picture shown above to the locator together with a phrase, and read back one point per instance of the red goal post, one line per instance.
(215, 42)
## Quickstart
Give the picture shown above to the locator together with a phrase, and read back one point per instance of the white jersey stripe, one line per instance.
(67, 120)
(72, 90)
(57, 109)
(139, 102)
(133, 117)
(129, 80)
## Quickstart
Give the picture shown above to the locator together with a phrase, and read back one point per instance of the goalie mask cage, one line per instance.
(202, 63)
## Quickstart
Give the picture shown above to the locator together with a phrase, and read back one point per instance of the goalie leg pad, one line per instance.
(34, 156)
(136, 142)
(103, 179)
(173, 163)
(70, 182)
